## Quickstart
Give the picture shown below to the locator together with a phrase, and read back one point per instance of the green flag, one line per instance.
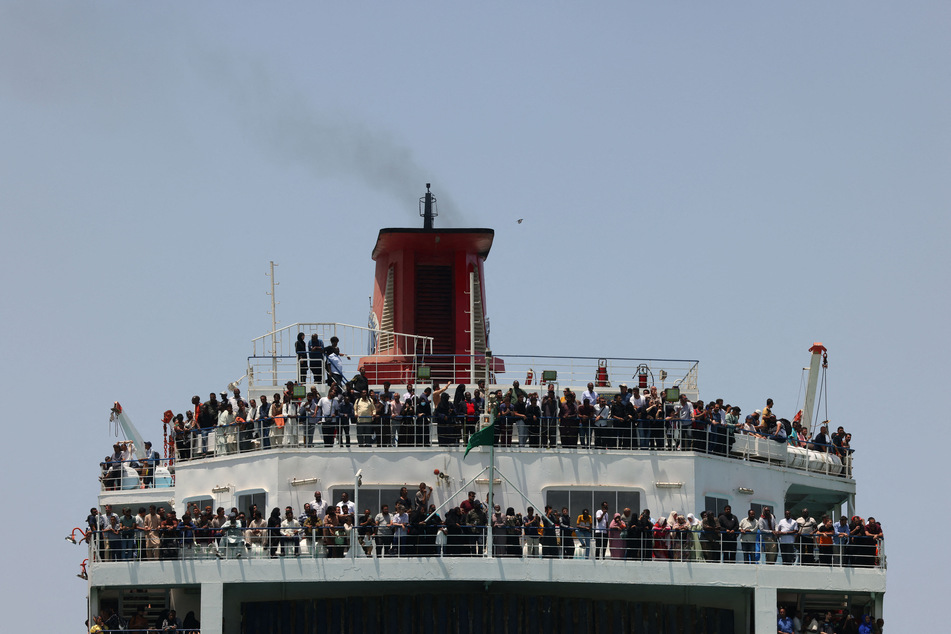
(485, 436)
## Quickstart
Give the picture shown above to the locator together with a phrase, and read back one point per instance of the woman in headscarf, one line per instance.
(661, 539)
(514, 525)
(681, 531)
(615, 541)
(693, 540)
(444, 416)
(459, 410)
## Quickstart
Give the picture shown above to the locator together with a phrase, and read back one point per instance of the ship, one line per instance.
(429, 328)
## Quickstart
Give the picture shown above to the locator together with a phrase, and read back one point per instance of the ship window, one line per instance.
(257, 497)
(579, 499)
(714, 505)
(201, 502)
(372, 497)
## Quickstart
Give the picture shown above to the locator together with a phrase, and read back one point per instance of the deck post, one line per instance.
(764, 610)
(212, 608)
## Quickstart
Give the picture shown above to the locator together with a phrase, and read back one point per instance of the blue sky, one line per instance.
(719, 182)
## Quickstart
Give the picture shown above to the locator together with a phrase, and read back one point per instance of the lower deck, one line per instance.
(459, 594)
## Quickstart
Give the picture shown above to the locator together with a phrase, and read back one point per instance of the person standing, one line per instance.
(748, 528)
(601, 531)
(533, 529)
(300, 347)
(807, 544)
(729, 531)
(767, 530)
(566, 534)
(316, 353)
(788, 529)
(826, 536)
(549, 421)
(364, 410)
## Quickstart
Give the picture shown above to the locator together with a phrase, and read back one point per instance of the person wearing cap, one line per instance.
(626, 395)
(232, 536)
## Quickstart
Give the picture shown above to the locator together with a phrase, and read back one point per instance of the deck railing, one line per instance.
(441, 541)
(337, 433)
(421, 367)
(123, 475)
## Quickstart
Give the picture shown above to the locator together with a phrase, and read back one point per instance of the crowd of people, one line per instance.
(414, 527)
(350, 412)
(108, 620)
(840, 622)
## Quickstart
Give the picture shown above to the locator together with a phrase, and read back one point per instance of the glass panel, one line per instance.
(557, 500)
(245, 500)
(629, 499)
(714, 504)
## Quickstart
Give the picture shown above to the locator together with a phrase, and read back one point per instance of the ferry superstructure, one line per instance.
(429, 325)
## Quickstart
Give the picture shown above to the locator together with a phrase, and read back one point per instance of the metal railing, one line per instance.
(421, 366)
(274, 358)
(441, 540)
(326, 433)
(119, 475)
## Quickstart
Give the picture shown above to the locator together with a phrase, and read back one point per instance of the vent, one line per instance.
(386, 323)
(434, 307)
(478, 316)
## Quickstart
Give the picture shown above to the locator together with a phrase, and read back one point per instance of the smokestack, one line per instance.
(427, 208)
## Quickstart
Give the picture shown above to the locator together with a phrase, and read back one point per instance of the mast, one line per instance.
(427, 208)
(817, 351)
(273, 313)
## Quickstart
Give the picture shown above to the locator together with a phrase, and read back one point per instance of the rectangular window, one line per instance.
(579, 499)
(201, 502)
(714, 505)
(372, 497)
(258, 498)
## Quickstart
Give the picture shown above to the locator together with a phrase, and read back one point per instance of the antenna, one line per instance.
(274, 322)
(427, 208)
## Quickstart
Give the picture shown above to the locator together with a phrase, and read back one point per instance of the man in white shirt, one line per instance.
(601, 530)
(410, 394)
(748, 526)
(290, 533)
(345, 509)
(683, 436)
(807, 530)
(639, 405)
(602, 421)
(788, 530)
(589, 394)
(327, 409)
(319, 505)
(399, 523)
(384, 531)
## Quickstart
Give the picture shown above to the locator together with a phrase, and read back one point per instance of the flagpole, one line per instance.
(490, 544)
